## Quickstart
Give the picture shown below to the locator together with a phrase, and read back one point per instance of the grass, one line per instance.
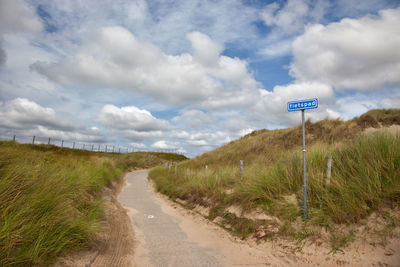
(50, 198)
(365, 175)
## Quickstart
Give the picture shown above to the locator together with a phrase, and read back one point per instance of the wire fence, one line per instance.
(89, 146)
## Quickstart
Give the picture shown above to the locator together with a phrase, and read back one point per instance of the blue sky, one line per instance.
(190, 75)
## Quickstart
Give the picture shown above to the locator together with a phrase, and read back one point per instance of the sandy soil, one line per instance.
(114, 246)
(279, 252)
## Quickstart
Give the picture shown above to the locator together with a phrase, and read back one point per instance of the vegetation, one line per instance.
(365, 178)
(50, 198)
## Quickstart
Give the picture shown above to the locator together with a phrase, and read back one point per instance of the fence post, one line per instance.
(33, 140)
(113, 149)
(14, 138)
(206, 168)
(328, 170)
(169, 166)
(92, 147)
(241, 168)
(166, 165)
(62, 143)
(83, 148)
(119, 150)
(48, 141)
(73, 145)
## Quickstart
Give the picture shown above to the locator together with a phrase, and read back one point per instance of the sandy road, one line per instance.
(167, 236)
(161, 241)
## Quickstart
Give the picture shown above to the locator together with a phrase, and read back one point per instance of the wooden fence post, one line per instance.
(92, 147)
(206, 168)
(73, 145)
(14, 138)
(113, 149)
(106, 148)
(33, 140)
(48, 141)
(328, 170)
(62, 143)
(241, 168)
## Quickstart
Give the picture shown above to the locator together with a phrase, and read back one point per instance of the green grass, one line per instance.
(50, 198)
(365, 175)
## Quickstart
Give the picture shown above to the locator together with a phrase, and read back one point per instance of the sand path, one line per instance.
(167, 236)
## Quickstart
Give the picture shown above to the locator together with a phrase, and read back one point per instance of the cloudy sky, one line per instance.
(190, 75)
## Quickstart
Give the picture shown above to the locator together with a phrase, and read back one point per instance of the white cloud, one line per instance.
(276, 101)
(211, 139)
(3, 56)
(291, 18)
(88, 136)
(286, 22)
(114, 57)
(136, 135)
(138, 145)
(278, 48)
(357, 8)
(162, 144)
(195, 119)
(16, 16)
(238, 123)
(272, 105)
(393, 102)
(350, 107)
(179, 134)
(24, 117)
(205, 50)
(130, 118)
(22, 113)
(131, 122)
(164, 23)
(353, 53)
(16, 79)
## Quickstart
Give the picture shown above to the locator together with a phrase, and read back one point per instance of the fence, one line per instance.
(95, 147)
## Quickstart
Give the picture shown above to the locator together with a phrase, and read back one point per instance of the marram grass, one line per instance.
(365, 177)
(50, 198)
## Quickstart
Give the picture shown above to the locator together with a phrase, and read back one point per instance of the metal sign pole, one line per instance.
(304, 168)
(303, 105)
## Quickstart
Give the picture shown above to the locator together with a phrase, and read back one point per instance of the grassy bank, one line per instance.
(50, 198)
(365, 179)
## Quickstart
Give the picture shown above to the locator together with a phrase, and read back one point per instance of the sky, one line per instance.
(190, 75)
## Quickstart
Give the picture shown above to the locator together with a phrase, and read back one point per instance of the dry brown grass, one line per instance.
(267, 146)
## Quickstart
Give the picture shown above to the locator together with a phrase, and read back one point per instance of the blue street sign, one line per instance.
(302, 104)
